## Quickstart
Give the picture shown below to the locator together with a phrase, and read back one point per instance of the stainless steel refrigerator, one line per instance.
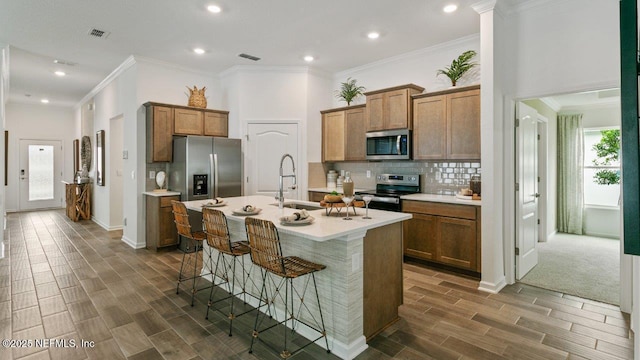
(206, 167)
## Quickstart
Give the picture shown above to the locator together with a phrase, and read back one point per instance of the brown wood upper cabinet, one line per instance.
(446, 124)
(390, 108)
(344, 134)
(159, 133)
(164, 121)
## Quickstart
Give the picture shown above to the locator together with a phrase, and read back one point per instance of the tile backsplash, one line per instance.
(437, 177)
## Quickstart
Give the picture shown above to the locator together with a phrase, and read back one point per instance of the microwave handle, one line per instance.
(398, 145)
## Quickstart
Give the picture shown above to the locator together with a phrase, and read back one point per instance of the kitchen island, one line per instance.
(361, 288)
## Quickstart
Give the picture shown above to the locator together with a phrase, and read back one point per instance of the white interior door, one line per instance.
(527, 190)
(265, 145)
(40, 174)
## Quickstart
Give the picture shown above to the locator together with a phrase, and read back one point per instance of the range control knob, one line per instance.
(413, 178)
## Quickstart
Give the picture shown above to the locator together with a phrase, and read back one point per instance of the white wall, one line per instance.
(417, 67)
(564, 47)
(272, 94)
(38, 122)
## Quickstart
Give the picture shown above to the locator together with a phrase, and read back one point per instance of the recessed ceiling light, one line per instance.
(214, 9)
(198, 51)
(44, 101)
(308, 58)
(60, 73)
(373, 35)
(450, 8)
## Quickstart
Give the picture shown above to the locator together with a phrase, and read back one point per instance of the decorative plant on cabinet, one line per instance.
(459, 67)
(349, 91)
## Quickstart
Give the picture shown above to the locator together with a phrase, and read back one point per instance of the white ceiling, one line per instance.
(280, 32)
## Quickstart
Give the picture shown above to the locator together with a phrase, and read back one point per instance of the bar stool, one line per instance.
(266, 252)
(181, 218)
(217, 235)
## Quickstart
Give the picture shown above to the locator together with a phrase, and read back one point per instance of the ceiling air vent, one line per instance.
(250, 57)
(100, 34)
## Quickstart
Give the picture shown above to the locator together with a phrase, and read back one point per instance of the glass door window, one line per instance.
(41, 172)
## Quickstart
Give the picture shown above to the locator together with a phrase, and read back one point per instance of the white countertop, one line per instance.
(322, 229)
(161, 193)
(450, 199)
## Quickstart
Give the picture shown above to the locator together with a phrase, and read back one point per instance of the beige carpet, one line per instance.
(584, 266)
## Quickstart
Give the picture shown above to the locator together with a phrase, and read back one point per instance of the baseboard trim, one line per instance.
(133, 243)
(493, 288)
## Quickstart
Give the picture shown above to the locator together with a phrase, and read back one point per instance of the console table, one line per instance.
(78, 198)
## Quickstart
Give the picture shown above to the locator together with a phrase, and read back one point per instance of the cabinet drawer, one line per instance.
(440, 209)
(165, 201)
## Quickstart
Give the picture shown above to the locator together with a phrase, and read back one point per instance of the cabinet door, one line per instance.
(430, 128)
(419, 237)
(375, 112)
(397, 110)
(167, 234)
(187, 122)
(457, 242)
(333, 136)
(161, 123)
(355, 134)
(463, 130)
(216, 124)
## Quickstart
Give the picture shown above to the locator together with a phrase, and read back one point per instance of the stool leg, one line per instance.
(324, 331)
(255, 326)
(213, 283)
(233, 287)
(184, 253)
(195, 266)
(285, 354)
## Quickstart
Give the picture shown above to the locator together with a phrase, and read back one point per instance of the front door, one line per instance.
(527, 190)
(265, 145)
(40, 174)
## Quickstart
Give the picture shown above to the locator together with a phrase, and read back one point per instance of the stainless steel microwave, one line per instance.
(389, 145)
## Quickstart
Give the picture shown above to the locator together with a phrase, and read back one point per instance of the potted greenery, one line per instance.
(349, 90)
(459, 67)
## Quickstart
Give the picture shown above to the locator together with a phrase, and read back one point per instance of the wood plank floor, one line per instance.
(65, 280)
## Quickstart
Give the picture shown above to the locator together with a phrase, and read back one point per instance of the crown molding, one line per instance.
(484, 6)
(401, 57)
(126, 64)
(552, 103)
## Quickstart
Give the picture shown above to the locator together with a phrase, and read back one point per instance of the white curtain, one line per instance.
(570, 174)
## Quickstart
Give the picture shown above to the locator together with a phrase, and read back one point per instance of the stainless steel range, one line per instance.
(389, 188)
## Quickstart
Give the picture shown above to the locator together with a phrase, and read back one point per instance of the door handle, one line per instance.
(536, 195)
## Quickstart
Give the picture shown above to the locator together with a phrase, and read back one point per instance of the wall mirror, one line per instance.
(100, 157)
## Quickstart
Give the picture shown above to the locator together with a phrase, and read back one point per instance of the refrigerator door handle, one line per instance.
(215, 175)
(211, 172)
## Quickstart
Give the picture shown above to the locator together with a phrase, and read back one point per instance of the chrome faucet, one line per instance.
(280, 195)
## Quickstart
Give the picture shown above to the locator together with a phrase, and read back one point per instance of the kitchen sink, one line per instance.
(293, 205)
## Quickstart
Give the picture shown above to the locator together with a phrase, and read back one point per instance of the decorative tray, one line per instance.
(338, 206)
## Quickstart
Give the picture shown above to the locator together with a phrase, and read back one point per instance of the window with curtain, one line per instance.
(601, 167)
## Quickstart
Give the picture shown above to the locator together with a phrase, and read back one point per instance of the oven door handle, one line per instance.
(388, 200)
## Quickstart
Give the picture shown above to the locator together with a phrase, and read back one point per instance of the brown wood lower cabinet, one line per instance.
(443, 233)
(161, 230)
(382, 278)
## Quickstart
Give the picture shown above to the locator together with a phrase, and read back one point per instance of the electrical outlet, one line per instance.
(355, 262)
(152, 174)
(368, 174)
(125, 154)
